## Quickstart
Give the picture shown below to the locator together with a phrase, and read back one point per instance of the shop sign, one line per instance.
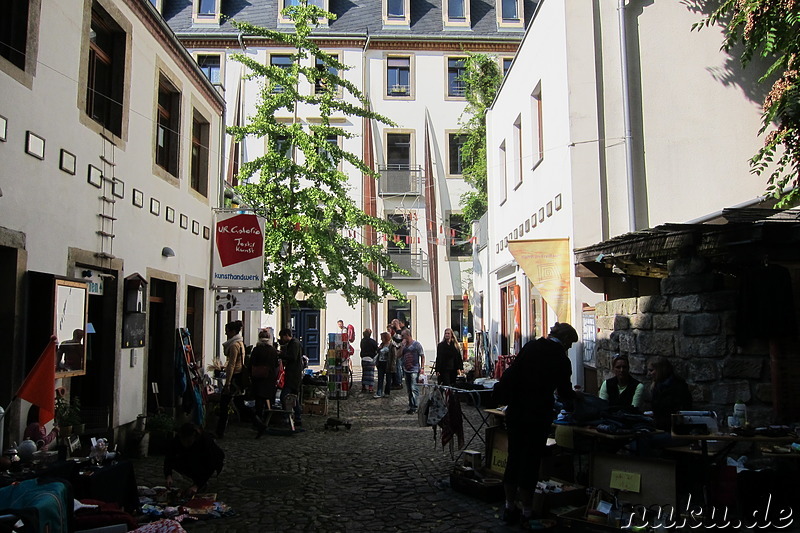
(92, 279)
(238, 256)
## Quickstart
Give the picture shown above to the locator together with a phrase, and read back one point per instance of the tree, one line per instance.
(298, 185)
(481, 82)
(770, 29)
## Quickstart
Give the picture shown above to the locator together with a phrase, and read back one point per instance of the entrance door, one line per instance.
(305, 326)
(161, 345)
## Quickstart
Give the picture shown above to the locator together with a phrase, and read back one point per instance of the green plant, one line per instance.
(68, 412)
(160, 423)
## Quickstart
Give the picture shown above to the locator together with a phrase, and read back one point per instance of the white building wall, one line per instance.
(58, 212)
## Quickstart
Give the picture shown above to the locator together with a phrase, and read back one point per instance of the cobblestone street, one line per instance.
(383, 474)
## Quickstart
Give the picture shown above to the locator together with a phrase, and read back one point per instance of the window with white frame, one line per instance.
(211, 65)
(456, 13)
(506, 64)
(455, 146)
(517, 155)
(396, 12)
(509, 14)
(324, 151)
(459, 243)
(324, 71)
(206, 11)
(537, 126)
(283, 61)
(456, 70)
(283, 4)
(398, 76)
(502, 168)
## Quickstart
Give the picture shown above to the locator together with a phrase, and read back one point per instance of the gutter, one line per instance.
(626, 114)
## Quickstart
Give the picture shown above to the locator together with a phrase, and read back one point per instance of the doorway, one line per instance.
(161, 345)
(305, 327)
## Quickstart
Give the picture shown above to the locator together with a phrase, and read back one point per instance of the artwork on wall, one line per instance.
(195, 227)
(527, 225)
(549, 209)
(558, 202)
(206, 232)
(184, 221)
(155, 206)
(34, 145)
(118, 188)
(3, 128)
(541, 214)
(95, 176)
(66, 162)
(138, 198)
(170, 214)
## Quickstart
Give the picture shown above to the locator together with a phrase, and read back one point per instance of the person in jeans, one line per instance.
(413, 366)
(292, 357)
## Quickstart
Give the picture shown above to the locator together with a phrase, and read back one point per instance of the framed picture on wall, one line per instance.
(3, 128)
(138, 198)
(95, 176)
(155, 206)
(118, 188)
(170, 214)
(184, 221)
(66, 162)
(34, 145)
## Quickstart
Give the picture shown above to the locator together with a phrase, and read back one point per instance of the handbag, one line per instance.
(281, 376)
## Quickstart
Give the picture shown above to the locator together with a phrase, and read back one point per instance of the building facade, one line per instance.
(406, 57)
(110, 141)
(631, 120)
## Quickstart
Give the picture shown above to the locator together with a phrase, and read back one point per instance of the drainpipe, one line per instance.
(626, 113)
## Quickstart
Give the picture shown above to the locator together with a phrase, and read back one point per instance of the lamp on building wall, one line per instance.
(167, 252)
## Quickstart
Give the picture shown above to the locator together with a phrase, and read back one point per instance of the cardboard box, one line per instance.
(316, 407)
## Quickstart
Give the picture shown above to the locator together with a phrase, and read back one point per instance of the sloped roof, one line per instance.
(354, 17)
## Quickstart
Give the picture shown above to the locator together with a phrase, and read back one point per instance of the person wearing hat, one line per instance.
(527, 387)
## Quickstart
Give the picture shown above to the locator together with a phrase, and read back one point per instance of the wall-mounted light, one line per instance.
(167, 252)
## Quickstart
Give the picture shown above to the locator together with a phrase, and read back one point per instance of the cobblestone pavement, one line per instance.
(383, 474)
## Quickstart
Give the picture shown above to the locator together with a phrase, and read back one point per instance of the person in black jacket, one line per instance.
(448, 359)
(669, 392)
(195, 455)
(263, 376)
(526, 387)
(623, 391)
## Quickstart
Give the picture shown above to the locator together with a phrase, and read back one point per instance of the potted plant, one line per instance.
(68, 414)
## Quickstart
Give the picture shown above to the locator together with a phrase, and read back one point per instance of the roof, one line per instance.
(360, 17)
(747, 237)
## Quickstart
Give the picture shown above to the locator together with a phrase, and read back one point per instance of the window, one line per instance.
(283, 146)
(401, 311)
(324, 152)
(509, 14)
(398, 76)
(398, 150)
(400, 242)
(458, 241)
(455, 14)
(14, 31)
(283, 4)
(507, 64)
(206, 11)
(396, 13)
(501, 160)
(284, 62)
(456, 10)
(321, 83)
(210, 65)
(517, 155)
(396, 9)
(509, 10)
(199, 160)
(168, 128)
(537, 125)
(106, 72)
(460, 322)
(456, 69)
(455, 146)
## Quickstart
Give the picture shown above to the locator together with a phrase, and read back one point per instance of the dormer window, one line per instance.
(509, 14)
(456, 14)
(396, 12)
(206, 11)
(283, 4)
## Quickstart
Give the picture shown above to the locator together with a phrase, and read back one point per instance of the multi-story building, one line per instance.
(406, 56)
(109, 172)
(630, 121)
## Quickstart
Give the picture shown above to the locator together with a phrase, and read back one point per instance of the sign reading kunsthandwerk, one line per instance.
(238, 261)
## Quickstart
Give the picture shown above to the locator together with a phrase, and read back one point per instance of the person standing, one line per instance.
(263, 373)
(413, 366)
(369, 350)
(385, 354)
(233, 348)
(669, 392)
(526, 387)
(397, 339)
(292, 357)
(448, 359)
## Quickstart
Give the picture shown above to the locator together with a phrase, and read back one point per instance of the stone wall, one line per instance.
(692, 322)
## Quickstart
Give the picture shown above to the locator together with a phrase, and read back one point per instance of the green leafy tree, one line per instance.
(298, 185)
(770, 29)
(481, 80)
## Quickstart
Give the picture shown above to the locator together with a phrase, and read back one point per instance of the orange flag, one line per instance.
(39, 387)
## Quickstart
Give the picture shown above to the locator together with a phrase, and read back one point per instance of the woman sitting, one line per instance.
(623, 391)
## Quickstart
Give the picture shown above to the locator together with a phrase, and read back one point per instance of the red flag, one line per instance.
(39, 387)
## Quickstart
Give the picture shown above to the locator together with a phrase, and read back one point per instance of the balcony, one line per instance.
(400, 180)
(415, 263)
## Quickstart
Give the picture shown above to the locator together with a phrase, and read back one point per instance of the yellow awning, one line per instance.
(546, 262)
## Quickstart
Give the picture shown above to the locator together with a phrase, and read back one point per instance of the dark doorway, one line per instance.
(161, 345)
(8, 317)
(194, 319)
(305, 326)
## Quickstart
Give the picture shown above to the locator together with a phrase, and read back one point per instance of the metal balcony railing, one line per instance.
(415, 263)
(398, 180)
